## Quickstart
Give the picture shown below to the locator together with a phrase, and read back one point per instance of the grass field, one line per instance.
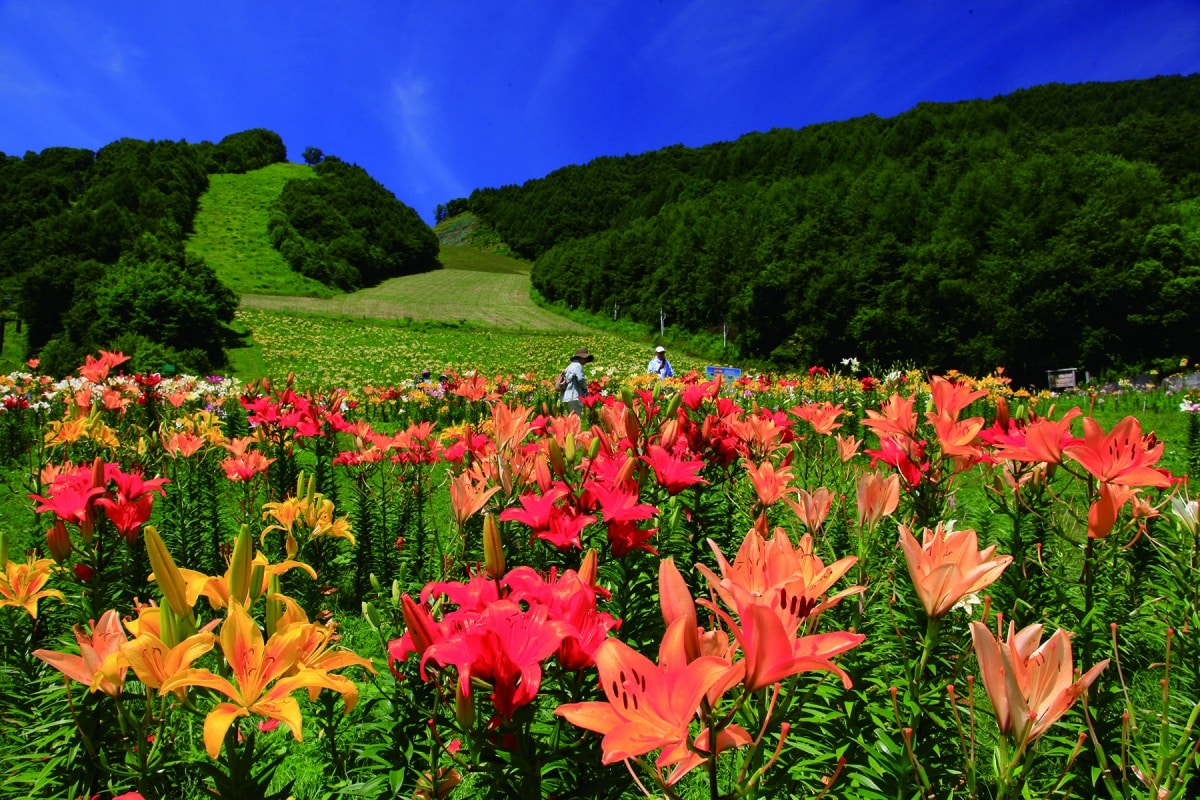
(231, 233)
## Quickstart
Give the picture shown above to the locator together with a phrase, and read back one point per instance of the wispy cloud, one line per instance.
(411, 118)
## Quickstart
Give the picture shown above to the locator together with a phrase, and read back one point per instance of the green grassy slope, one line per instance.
(231, 233)
(475, 288)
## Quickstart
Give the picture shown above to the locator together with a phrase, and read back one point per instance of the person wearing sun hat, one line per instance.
(576, 381)
(659, 364)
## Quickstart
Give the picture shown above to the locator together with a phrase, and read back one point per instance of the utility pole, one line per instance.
(662, 323)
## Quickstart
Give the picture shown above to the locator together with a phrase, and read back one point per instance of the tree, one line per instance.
(313, 156)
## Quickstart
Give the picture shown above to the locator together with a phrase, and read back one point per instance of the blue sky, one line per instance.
(436, 99)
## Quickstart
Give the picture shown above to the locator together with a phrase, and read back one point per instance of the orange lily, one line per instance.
(468, 496)
(1123, 456)
(261, 681)
(773, 653)
(947, 565)
(651, 706)
(1044, 440)
(950, 398)
(792, 581)
(1029, 681)
(769, 483)
(894, 418)
(155, 662)
(22, 582)
(1102, 514)
(99, 664)
(822, 416)
(511, 425)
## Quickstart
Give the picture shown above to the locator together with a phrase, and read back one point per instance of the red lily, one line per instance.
(673, 474)
(505, 648)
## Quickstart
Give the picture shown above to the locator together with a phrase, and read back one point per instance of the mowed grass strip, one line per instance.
(480, 299)
(474, 287)
(231, 233)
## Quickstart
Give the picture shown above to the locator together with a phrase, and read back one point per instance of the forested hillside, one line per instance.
(92, 245)
(91, 249)
(1053, 227)
(347, 231)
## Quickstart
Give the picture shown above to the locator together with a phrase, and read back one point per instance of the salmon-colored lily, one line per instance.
(812, 507)
(792, 581)
(99, 664)
(878, 497)
(947, 565)
(894, 418)
(1123, 456)
(649, 706)
(261, 681)
(770, 483)
(468, 495)
(23, 582)
(1030, 682)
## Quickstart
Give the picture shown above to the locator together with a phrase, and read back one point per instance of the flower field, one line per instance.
(362, 585)
(328, 351)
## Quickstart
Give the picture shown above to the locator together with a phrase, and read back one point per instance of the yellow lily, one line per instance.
(265, 676)
(22, 582)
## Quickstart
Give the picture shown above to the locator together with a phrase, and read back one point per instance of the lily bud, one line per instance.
(625, 473)
(257, 584)
(673, 404)
(375, 585)
(4, 549)
(1002, 413)
(556, 458)
(593, 448)
(627, 396)
(464, 707)
(166, 574)
(668, 433)
(274, 604)
(633, 428)
(419, 623)
(371, 615)
(240, 567)
(58, 542)
(589, 568)
(569, 448)
(493, 548)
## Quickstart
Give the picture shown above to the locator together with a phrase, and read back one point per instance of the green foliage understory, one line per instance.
(1049, 228)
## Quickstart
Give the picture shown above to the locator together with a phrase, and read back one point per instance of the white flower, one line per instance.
(1186, 512)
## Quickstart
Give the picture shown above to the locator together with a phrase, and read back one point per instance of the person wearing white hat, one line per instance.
(573, 382)
(659, 364)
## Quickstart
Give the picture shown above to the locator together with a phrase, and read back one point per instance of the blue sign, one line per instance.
(728, 372)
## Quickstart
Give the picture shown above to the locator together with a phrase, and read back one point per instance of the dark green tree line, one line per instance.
(1053, 227)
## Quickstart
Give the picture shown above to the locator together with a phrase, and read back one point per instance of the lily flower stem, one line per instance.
(932, 631)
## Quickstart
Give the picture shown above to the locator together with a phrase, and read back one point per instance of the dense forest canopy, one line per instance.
(1053, 227)
(347, 231)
